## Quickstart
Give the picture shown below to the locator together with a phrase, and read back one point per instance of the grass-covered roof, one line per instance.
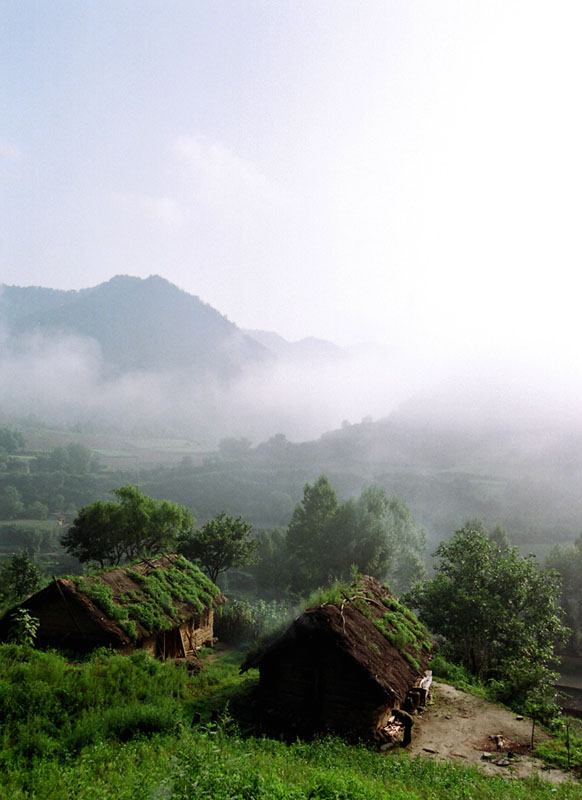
(148, 597)
(366, 622)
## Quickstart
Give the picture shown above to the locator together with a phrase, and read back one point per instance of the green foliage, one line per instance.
(11, 441)
(310, 533)
(222, 543)
(101, 594)
(455, 674)
(326, 538)
(37, 510)
(24, 627)
(498, 612)
(11, 505)
(74, 458)
(155, 605)
(50, 708)
(404, 631)
(499, 537)
(567, 561)
(406, 543)
(234, 449)
(119, 727)
(334, 595)
(244, 621)
(19, 577)
(136, 526)
(271, 572)
(565, 751)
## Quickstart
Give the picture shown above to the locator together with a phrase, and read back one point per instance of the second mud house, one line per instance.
(165, 606)
(345, 666)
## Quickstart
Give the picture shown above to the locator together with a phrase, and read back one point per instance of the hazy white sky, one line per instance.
(408, 172)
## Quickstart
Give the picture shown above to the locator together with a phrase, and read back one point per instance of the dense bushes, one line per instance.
(50, 707)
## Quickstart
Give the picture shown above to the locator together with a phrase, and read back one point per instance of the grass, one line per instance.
(51, 708)
(565, 750)
(154, 605)
(115, 726)
(211, 763)
(457, 676)
(399, 625)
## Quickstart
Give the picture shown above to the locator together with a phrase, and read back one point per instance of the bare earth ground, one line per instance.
(457, 727)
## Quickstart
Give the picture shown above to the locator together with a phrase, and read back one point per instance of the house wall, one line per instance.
(64, 623)
(185, 640)
(202, 630)
(319, 689)
(149, 645)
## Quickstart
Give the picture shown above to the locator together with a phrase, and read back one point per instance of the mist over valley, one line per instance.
(142, 370)
(290, 392)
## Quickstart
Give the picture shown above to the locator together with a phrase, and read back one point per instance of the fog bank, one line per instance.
(62, 380)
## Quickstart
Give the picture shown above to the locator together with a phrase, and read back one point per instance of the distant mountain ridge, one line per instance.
(310, 348)
(139, 324)
(150, 325)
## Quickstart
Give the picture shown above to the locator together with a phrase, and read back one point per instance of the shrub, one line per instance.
(24, 627)
(455, 674)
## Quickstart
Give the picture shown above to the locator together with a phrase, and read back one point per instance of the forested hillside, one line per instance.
(137, 324)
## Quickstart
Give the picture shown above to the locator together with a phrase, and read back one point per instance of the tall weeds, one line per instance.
(51, 707)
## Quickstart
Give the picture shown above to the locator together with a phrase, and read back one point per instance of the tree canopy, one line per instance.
(19, 577)
(377, 534)
(221, 543)
(73, 458)
(11, 441)
(133, 526)
(567, 561)
(498, 612)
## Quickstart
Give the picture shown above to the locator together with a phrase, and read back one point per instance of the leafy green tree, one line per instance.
(136, 526)
(11, 441)
(222, 543)
(498, 612)
(32, 539)
(309, 533)
(96, 535)
(376, 534)
(19, 577)
(233, 449)
(73, 459)
(79, 459)
(11, 505)
(37, 510)
(499, 537)
(405, 548)
(567, 561)
(272, 569)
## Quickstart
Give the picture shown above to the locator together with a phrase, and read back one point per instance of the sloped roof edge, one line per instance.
(358, 627)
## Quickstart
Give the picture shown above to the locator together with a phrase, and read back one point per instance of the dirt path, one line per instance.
(457, 727)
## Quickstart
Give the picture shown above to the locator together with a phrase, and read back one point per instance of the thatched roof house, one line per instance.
(345, 665)
(164, 606)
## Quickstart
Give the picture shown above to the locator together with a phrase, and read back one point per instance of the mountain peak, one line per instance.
(139, 324)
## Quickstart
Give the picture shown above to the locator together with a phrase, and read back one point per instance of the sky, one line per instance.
(401, 172)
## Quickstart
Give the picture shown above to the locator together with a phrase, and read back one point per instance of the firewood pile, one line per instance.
(393, 731)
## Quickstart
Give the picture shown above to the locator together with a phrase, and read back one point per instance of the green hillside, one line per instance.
(117, 726)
